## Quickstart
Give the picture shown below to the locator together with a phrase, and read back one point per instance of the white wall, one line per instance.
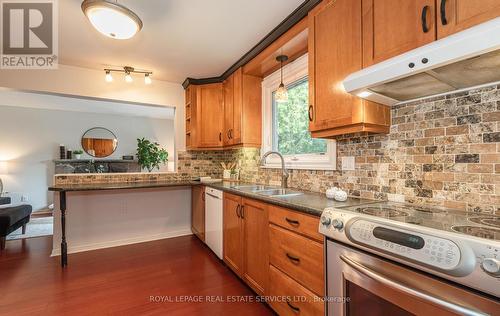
(101, 219)
(30, 138)
(77, 81)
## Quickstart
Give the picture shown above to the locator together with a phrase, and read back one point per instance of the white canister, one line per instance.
(226, 174)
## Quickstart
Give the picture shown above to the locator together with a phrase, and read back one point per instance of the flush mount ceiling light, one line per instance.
(281, 93)
(128, 71)
(111, 18)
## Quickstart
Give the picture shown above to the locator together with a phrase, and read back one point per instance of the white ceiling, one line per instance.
(180, 38)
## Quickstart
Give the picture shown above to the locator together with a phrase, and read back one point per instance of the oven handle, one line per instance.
(403, 288)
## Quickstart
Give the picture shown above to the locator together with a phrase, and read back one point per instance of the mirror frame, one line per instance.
(98, 127)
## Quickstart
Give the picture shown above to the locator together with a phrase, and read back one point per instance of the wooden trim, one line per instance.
(295, 17)
(355, 128)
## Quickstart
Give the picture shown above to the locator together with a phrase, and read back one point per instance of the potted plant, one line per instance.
(150, 155)
(78, 154)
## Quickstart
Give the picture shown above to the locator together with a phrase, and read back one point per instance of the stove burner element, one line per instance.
(476, 231)
(382, 212)
(493, 221)
(425, 210)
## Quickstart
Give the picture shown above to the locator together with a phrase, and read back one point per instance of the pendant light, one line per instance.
(112, 19)
(281, 94)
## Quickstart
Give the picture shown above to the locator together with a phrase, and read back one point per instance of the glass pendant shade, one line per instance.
(281, 94)
(112, 19)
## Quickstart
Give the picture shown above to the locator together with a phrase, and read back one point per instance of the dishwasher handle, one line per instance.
(215, 197)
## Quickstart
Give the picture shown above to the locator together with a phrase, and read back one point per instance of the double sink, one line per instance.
(269, 191)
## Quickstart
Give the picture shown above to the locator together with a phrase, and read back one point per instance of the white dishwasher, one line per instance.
(213, 220)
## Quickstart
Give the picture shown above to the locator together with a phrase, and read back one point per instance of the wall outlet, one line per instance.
(348, 163)
(24, 198)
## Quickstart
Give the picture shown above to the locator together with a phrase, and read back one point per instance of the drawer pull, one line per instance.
(293, 308)
(292, 222)
(238, 211)
(294, 259)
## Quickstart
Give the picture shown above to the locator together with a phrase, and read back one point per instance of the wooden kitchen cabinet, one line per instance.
(198, 211)
(204, 116)
(246, 240)
(242, 110)
(457, 15)
(335, 51)
(233, 233)
(255, 244)
(393, 27)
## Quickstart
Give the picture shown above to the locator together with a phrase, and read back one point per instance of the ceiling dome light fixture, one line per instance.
(128, 71)
(112, 19)
(281, 93)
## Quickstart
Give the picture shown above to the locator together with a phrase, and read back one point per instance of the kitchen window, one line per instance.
(286, 124)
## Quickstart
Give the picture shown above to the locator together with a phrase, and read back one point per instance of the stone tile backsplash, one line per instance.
(440, 151)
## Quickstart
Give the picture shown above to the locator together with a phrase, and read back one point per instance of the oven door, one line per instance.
(362, 284)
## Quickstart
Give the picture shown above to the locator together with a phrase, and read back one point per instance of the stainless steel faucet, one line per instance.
(284, 172)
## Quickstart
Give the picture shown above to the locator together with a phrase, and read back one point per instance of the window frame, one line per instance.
(292, 73)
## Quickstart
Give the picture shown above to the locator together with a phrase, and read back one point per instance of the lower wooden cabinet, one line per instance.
(255, 244)
(300, 257)
(246, 240)
(295, 299)
(233, 233)
(198, 211)
(277, 252)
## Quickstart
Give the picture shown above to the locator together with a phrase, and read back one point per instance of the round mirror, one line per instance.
(99, 142)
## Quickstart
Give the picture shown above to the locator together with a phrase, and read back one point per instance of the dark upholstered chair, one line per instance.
(11, 218)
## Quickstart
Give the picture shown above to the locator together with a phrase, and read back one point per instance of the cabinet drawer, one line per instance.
(301, 223)
(301, 301)
(299, 257)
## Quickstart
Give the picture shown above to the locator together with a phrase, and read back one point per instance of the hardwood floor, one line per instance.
(120, 280)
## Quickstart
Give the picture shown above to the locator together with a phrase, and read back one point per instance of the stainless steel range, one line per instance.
(452, 245)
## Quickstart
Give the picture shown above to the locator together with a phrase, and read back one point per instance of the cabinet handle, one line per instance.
(242, 211)
(203, 197)
(292, 222)
(238, 211)
(444, 21)
(293, 308)
(425, 28)
(310, 113)
(228, 134)
(294, 259)
(220, 136)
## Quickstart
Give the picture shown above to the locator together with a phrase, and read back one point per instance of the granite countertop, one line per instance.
(308, 202)
(117, 186)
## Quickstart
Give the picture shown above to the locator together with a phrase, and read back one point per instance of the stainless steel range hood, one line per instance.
(463, 60)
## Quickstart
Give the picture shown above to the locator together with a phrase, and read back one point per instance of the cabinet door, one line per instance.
(457, 15)
(334, 53)
(393, 27)
(198, 211)
(228, 110)
(237, 106)
(256, 243)
(233, 233)
(211, 118)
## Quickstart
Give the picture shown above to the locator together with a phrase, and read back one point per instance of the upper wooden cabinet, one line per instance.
(457, 15)
(392, 27)
(224, 114)
(335, 51)
(204, 116)
(242, 110)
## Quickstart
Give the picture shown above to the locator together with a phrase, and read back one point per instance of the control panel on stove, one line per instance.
(431, 250)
